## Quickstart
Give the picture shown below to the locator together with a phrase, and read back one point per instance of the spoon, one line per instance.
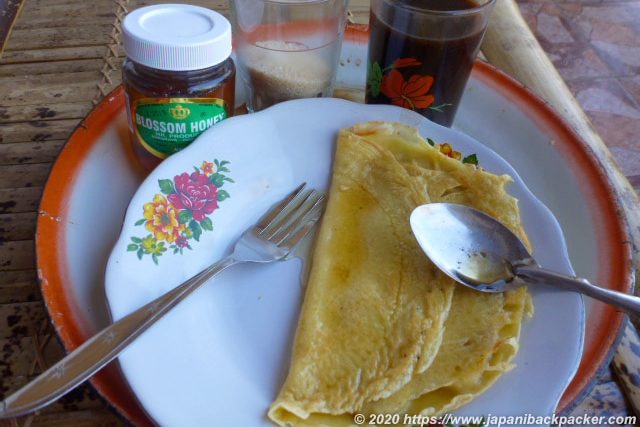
(477, 251)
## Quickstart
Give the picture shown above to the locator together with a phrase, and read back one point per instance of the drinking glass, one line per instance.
(421, 53)
(287, 49)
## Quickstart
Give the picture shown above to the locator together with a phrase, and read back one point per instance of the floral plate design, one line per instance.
(181, 211)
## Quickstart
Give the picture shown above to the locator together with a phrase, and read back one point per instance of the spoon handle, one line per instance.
(535, 274)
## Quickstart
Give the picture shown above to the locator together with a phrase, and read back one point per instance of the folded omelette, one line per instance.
(381, 329)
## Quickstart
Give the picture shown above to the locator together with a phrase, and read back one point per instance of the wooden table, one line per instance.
(59, 60)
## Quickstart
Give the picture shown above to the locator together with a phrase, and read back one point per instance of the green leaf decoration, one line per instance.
(217, 179)
(206, 224)
(132, 247)
(431, 142)
(140, 221)
(374, 79)
(176, 250)
(154, 257)
(195, 229)
(377, 71)
(140, 253)
(136, 240)
(184, 216)
(222, 195)
(166, 186)
(221, 166)
(471, 159)
(440, 108)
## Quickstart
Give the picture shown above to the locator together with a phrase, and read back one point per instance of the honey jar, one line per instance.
(178, 77)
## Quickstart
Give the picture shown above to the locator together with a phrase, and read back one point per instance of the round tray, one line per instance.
(95, 176)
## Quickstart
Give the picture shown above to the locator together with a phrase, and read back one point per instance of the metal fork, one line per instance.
(273, 238)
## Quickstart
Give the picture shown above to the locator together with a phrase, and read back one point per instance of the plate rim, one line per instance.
(49, 234)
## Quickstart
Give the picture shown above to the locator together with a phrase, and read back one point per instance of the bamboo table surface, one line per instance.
(60, 58)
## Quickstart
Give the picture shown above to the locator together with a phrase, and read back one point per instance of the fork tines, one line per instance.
(300, 221)
(268, 218)
(290, 218)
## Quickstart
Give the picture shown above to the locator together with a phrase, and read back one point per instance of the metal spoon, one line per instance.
(478, 251)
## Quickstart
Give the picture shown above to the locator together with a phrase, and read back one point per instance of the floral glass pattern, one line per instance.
(412, 93)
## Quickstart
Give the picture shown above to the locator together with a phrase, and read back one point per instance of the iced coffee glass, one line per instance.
(421, 53)
(287, 49)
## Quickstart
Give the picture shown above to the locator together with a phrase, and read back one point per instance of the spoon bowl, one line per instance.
(469, 246)
(478, 251)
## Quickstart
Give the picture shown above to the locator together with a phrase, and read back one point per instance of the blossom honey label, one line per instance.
(167, 125)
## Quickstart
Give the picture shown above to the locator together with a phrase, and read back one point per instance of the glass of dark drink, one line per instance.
(421, 53)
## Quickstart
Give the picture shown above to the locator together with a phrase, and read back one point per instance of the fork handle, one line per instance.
(100, 349)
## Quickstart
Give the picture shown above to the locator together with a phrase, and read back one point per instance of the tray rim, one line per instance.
(581, 385)
(110, 384)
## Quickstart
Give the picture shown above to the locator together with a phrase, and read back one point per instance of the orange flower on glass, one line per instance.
(406, 62)
(411, 93)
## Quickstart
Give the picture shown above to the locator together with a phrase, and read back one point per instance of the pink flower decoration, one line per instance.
(182, 242)
(195, 193)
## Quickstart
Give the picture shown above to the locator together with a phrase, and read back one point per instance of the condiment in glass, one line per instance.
(287, 49)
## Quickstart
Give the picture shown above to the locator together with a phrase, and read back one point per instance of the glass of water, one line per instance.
(287, 49)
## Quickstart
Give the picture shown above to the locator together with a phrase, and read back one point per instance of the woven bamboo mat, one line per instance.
(60, 59)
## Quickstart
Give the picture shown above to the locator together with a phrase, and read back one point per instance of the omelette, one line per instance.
(381, 329)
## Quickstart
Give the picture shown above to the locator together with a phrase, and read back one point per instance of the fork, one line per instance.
(273, 238)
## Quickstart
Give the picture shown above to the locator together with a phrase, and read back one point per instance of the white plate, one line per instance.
(220, 357)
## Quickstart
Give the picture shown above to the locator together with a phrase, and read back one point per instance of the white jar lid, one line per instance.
(176, 37)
